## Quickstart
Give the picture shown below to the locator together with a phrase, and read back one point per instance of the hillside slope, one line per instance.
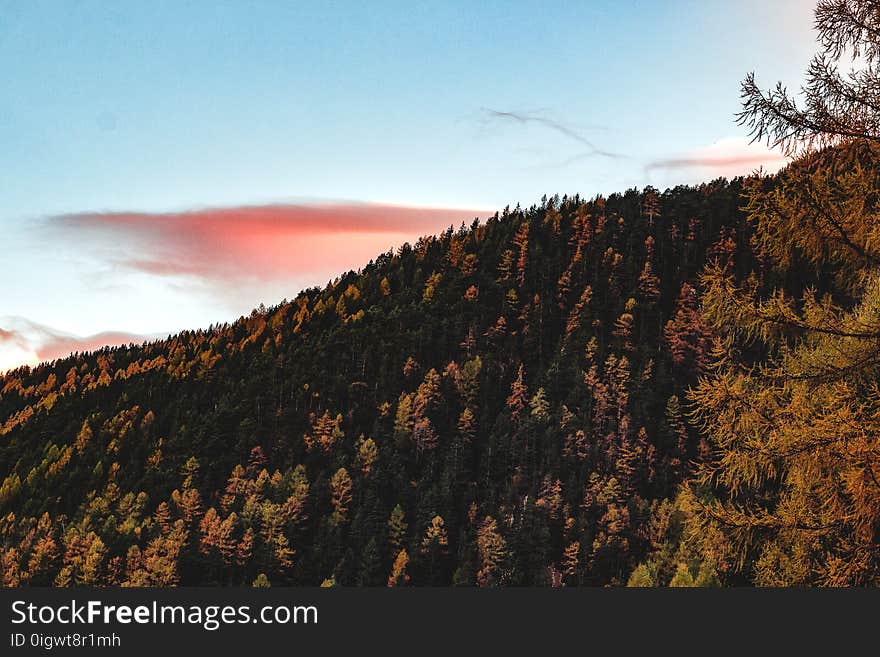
(501, 404)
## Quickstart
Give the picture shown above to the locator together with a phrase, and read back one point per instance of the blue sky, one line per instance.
(165, 107)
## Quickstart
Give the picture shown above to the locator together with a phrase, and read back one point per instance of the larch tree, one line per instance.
(518, 398)
(326, 432)
(397, 528)
(792, 409)
(340, 494)
(367, 453)
(398, 575)
(435, 544)
(492, 549)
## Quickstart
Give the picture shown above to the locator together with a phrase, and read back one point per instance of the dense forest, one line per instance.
(502, 403)
(650, 388)
(505, 403)
(509, 403)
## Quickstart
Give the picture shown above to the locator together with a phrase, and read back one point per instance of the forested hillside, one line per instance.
(652, 389)
(500, 404)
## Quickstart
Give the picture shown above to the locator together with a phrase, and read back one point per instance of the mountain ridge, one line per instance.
(499, 404)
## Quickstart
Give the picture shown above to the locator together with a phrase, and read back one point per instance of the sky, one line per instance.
(169, 165)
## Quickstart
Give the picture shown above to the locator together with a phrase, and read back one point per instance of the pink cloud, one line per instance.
(729, 157)
(239, 256)
(62, 345)
(23, 342)
(273, 242)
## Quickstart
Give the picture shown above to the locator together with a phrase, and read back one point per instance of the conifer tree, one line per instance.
(397, 528)
(641, 578)
(340, 494)
(682, 577)
(518, 398)
(398, 575)
(796, 434)
(367, 454)
(492, 549)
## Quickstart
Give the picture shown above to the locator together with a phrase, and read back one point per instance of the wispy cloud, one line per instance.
(524, 118)
(262, 243)
(23, 342)
(730, 156)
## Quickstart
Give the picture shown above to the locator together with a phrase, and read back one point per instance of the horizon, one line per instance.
(165, 179)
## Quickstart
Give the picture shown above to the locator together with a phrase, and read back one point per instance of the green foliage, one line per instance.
(791, 411)
(682, 577)
(641, 577)
(390, 427)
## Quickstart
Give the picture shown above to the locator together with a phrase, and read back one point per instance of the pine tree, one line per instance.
(369, 571)
(650, 205)
(424, 436)
(518, 398)
(340, 494)
(84, 437)
(467, 425)
(435, 535)
(226, 542)
(245, 548)
(521, 242)
(492, 549)
(838, 108)
(326, 432)
(550, 497)
(571, 558)
(641, 578)
(397, 529)
(367, 453)
(398, 575)
(649, 284)
(688, 335)
(162, 516)
(540, 407)
(682, 577)
(796, 435)
(435, 544)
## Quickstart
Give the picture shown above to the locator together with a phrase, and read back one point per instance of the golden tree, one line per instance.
(398, 575)
(518, 398)
(367, 454)
(492, 549)
(326, 432)
(340, 494)
(435, 536)
(792, 409)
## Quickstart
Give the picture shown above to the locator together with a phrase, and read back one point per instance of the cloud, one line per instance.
(729, 157)
(64, 345)
(23, 342)
(524, 118)
(137, 268)
(252, 243)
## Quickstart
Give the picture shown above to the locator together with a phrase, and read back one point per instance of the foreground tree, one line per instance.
(793, 407)
(837, 107)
